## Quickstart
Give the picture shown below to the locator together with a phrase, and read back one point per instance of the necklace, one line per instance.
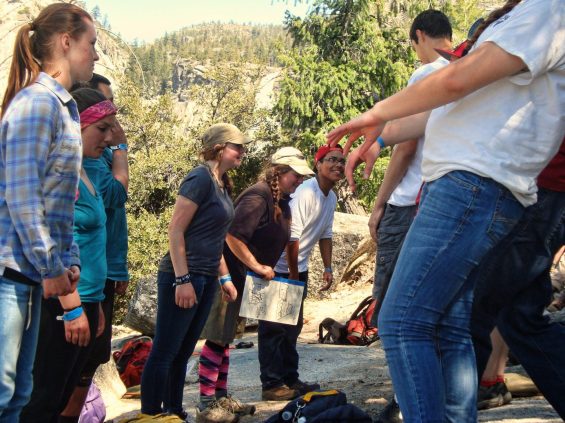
(218, 181)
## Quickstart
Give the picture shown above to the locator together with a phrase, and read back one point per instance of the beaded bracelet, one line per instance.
(71, 315)
(225, 278)
(182, 280)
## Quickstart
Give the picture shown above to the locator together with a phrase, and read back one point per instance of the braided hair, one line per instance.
(494, 16)
(271, 176)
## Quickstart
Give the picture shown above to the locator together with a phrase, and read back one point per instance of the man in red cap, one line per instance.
(313, 205)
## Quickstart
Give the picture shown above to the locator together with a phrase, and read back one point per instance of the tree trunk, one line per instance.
(347, 201)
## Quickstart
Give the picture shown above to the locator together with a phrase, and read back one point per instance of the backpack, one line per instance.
(360, 331)
(336, 333)
(320, 406)
(94, 410)
(131, 359)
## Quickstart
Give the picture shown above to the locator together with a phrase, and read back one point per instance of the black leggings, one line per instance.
(58, 364)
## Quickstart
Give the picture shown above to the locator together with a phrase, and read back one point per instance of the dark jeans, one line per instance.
(390, 235)
(176, 334)
(278, 358)
(58, 364)
(512, 292)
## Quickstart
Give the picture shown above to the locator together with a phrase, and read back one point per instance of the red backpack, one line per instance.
(359, 328)
(131, 359)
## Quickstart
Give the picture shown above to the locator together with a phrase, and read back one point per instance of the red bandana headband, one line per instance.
(324, 150)
(96, 112)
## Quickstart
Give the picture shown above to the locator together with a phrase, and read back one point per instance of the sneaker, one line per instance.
(303, 387)
(236, 406)
(493, 396)
(389, 414)
(280, 393)
(215, 413)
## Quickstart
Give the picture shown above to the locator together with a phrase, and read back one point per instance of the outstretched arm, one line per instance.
(485, 65)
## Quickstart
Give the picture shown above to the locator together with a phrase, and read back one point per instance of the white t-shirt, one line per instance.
(312, 220)
(406, 191)
(510, 129)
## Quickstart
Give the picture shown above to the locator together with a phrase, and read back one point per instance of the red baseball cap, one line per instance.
(325, 149)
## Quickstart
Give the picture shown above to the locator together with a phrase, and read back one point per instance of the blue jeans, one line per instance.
(513, 288)
(20, 307)
(176, 334)
(425, 318)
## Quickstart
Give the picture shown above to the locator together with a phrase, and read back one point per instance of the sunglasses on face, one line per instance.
(237, 147)
(334, 160)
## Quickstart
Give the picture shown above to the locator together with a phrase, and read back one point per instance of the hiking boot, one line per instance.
(279, 393)
(303, 387)
(493, 396)
(235, 406)
(215, 413)
(389, 414)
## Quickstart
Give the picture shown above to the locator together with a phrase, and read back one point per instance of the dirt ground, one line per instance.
(360, 372)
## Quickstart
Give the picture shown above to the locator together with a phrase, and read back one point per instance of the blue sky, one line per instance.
(149, 19)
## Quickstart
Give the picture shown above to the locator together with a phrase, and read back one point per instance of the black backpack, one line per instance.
(320, 406)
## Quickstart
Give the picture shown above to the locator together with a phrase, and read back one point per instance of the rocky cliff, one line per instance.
(13, 13)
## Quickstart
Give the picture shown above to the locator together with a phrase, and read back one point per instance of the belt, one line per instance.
(16, 276)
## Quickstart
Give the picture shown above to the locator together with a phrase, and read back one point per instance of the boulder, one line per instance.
(107, 379)
(142, 311)
(353, 261)
(353, 254)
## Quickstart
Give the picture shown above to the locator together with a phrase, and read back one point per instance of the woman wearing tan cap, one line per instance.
(188, 274)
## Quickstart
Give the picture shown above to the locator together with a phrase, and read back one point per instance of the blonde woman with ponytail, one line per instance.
(40, 160)
(497, 121)
(188, 275)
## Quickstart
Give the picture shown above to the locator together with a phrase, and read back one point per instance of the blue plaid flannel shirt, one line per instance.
(40, 161)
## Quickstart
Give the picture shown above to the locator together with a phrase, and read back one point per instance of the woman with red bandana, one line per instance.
(69, 324)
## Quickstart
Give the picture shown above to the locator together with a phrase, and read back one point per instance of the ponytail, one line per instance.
(24, 68)
(494, 16)
(34, 44)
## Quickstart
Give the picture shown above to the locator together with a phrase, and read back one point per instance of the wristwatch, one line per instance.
(119, 147)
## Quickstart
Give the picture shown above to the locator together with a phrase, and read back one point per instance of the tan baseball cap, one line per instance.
(221, 133)
(292, 157)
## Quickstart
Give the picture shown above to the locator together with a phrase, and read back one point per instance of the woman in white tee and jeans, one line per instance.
(499, 124)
